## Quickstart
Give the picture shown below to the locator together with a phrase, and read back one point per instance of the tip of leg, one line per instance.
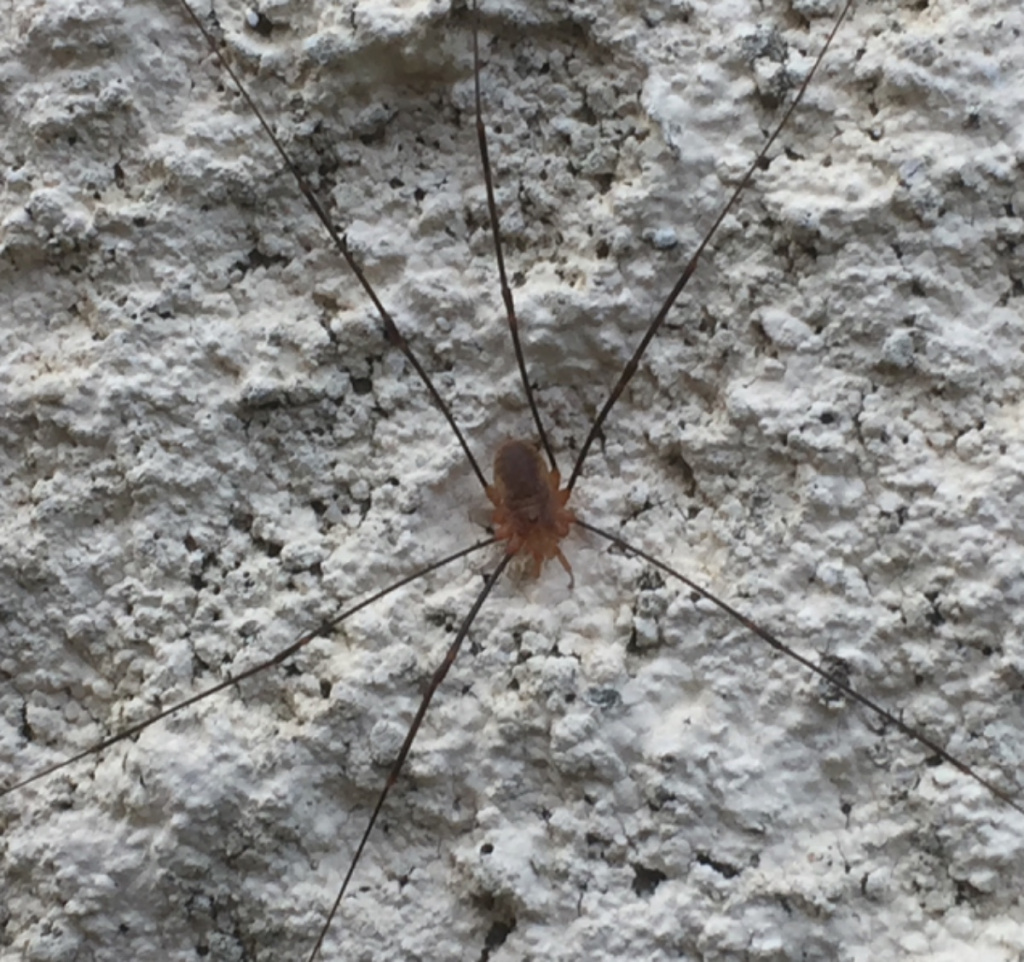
(568, 569)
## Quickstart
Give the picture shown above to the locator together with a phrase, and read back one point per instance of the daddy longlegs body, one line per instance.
(214, 448)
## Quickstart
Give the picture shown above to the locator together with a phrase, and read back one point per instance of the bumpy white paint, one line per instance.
(852, 421)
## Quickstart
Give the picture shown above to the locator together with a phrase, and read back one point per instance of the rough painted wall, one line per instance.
(207, 446)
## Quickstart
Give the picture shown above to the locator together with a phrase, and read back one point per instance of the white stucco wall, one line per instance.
(206, 450)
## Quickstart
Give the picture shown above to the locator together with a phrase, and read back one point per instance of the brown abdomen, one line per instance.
(521, 477)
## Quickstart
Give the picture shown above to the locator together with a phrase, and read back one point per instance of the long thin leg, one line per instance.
(887, 716)
(492, 209)
(633, 363)
(303, 640)
(439, 675)
(394, 335)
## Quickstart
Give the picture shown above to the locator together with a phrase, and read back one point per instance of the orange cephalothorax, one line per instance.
(529, 507)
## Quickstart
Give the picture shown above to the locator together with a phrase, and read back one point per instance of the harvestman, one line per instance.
(832, 678)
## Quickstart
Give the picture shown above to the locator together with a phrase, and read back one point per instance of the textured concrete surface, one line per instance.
(208, 446)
